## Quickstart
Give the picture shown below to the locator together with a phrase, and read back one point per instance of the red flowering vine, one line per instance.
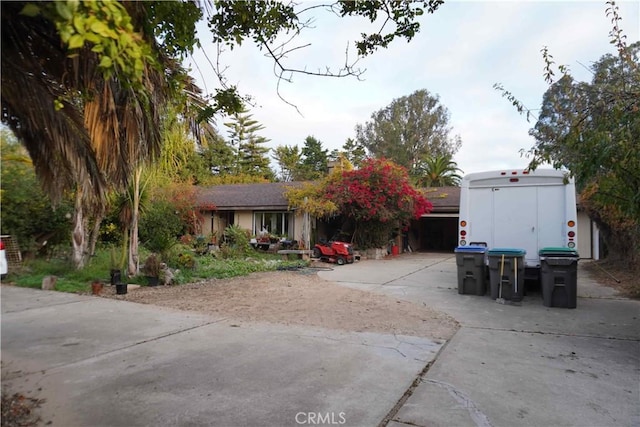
(379, 191)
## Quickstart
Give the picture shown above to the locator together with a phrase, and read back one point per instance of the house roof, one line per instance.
(263, 196)
(443, 199)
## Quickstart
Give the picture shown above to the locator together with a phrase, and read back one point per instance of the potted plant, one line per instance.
(151, 269)
(96, 287)
(115, 273)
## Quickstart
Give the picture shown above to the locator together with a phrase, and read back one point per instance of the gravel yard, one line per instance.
(296, 298)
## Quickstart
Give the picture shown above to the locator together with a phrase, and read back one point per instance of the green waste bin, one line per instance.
(559, 277)
(470, 262)
(506, 273)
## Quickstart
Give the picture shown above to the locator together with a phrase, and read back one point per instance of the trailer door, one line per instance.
(551, 215)
(480, 203)
(515, 220)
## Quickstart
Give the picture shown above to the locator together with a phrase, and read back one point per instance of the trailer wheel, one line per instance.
(340, 260)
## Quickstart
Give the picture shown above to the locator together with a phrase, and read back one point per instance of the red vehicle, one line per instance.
(334, 251)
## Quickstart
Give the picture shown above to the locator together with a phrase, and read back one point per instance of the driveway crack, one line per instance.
(561, 334)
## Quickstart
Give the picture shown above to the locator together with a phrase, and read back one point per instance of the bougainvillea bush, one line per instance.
(379, 198)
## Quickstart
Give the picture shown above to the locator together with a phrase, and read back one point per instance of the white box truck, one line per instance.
(521, 209)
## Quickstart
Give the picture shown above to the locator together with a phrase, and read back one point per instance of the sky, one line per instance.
(461, 51)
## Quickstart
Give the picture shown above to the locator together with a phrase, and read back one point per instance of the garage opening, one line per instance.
(437, 232)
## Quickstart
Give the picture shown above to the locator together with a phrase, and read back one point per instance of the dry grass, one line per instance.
(19, 410)
(621, 278)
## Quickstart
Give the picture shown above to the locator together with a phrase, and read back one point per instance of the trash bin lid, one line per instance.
(558, 252)
(471, 249)
(507, 251)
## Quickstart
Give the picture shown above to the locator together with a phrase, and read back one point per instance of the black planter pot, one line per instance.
(116, 276)
(121, 288)
(153, 280)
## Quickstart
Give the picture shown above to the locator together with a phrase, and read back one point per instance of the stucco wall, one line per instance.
(212, 222)
(584, 236)
(296, 226)
(244, 219)
(206, 222)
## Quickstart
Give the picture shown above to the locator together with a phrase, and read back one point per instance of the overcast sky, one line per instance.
(459, 53)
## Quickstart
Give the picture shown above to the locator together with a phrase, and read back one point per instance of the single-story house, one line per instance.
(254, 207)
(263, 207)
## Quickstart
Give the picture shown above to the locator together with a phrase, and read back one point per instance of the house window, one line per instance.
(276, 223)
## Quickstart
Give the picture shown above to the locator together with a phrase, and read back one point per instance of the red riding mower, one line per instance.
(334, 251)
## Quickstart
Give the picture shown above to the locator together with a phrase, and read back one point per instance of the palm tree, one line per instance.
(438, 171)
(86, 131)
(75, 123)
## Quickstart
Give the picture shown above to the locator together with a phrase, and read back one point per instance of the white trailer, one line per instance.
(521, 209)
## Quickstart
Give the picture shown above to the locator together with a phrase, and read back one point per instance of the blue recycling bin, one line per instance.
(506, 273)
(559, 277)
(471, 270)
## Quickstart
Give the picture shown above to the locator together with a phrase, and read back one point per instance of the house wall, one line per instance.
(297, 227)
(585, 237)
(429, 233)
(244, 219)
(208, 217)
(215, 222)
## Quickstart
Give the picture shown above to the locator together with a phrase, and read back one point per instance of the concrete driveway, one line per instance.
(101, 362)
(526, 365)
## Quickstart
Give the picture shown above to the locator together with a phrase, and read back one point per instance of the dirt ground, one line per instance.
(296, 298)
(623, 280)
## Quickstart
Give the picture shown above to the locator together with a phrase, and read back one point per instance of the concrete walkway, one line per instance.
(526, 365)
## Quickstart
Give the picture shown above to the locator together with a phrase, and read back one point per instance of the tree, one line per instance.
(160, 227)
(288, 159)
(219, 156)
(263, 21)
(60, 84)
(410, 128)
(437, 172)
(354, 151)
(85, 83)
(180, 159)
(251, 155)
(314, 160)
(593, 129)
(311, 198)
(67, 64)
(27, 214)
(84, 91)
(374, 201)
(379, 198)
(254, 160)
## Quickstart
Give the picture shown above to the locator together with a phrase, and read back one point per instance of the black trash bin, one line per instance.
(506, 273)
(559, 277)
(470, 262)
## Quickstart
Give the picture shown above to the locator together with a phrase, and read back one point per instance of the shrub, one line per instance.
(186, 260)
(151, 266)
(160, 227)
(236, 242)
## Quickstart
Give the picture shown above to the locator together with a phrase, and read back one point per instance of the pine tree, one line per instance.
(252, 156)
